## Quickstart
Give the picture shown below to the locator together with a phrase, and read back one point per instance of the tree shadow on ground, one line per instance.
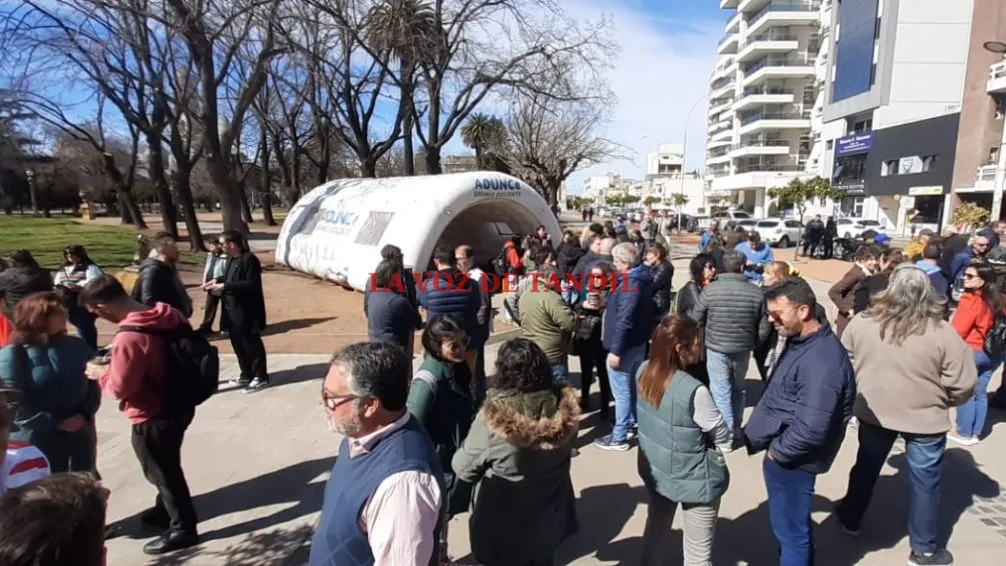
(294, 485)
(277, 547)
(299, 374)
(290, 325)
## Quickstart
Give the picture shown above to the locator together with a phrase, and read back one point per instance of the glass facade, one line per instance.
(854, 75)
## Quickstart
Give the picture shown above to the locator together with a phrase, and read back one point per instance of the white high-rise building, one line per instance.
(765, 96)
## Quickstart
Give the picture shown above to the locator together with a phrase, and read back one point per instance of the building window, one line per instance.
(889, 168)
(994, 155)
(830, 144)
(908, 165)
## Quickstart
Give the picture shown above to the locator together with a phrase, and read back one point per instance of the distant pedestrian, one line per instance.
(800, 421)
(244, 311)
(383, 498)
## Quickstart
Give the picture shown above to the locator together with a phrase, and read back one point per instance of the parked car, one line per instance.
(854, 227)
(748, 224)
(696, 223)
(780, 232)
(725, 216)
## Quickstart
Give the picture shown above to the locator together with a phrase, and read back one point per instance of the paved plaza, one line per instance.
(257, 466)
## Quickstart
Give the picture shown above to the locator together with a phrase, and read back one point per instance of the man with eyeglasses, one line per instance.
(383, 499)
(980, 246)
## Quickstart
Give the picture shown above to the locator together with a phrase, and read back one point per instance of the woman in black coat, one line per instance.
(662, 272)
(24, 277)
(244, 311)
(703, 271)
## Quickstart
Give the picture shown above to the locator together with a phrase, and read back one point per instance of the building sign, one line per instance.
(856, 143)
(933, 190)
(497, 188)
(851, 187)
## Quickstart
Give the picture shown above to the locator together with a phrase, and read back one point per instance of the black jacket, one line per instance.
(243, 301)
(662, 274)
(568, 257)
(391, 318)
(688, 297)
(17, 283)
(159, 283)
(866, 289)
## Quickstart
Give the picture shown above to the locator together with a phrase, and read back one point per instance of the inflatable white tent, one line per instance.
(337, 230)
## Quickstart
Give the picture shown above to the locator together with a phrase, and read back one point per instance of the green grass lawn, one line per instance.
(111, 247)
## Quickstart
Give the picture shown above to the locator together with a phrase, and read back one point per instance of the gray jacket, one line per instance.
(733, 313)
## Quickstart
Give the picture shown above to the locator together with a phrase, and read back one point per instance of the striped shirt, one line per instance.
(22, 464)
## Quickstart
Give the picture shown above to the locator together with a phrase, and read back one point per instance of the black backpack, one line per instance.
(995, 340)
(499, 264)
(193, 366)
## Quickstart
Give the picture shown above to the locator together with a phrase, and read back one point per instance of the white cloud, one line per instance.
(662, 69)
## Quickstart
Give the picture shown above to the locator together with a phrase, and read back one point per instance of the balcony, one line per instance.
(713, 144)
(779, 14)
(719, 109)
(734, 23)
(997, 78)
(766, 95)
(765, 121)
(986, 178)
(728, 44)
(768, 168)
(724, 69)
(801, 66)
(718, 159)
(719, 125)
(758, 46)
(722, 91)
(722, 134)
(751, 6)
(728, 4)
(760, 147)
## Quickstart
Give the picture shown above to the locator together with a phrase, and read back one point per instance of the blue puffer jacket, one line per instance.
(53, 384)
(629, 318)
(456, 295)
(802, 415)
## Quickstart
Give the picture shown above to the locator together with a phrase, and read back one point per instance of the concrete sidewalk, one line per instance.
(257, 466)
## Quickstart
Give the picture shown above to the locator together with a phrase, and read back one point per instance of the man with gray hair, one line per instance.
(383, 499)
(628, 324)
(732, 311)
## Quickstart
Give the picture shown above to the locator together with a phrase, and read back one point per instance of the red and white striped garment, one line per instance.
(22, 465)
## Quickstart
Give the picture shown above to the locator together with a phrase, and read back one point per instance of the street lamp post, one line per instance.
(30, 175)
(684, 152)
(1000, 178)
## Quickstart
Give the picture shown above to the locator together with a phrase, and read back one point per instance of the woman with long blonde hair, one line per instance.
(680, 430)
(57, 401)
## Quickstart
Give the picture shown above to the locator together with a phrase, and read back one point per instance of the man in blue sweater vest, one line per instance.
(383, 500)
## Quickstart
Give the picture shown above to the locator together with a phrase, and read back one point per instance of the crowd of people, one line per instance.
(420, 447)
(51, 382)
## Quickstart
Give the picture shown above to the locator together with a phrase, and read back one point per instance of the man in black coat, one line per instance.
(159, 281)
(244, 311)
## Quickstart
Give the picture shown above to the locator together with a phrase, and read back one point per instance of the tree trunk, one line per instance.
(183, 189)
(169, 214)
(368, 168)
(229, 192)
(123, 208)
(119, 185)
(264, 181)
(432, 157)
(245, 208)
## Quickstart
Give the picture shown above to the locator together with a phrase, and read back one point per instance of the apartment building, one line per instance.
(907, 117)
(763, 95)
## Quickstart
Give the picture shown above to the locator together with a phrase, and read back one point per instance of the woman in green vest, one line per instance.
(442, 398)
(680, 430)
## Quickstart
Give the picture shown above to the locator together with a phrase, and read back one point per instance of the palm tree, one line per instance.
(408, 30)
(484, 134)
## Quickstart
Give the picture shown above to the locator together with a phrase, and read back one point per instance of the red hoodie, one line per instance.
(136, 367)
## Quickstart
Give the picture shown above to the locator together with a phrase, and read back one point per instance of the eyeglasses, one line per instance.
(332, 402)
(971, 276)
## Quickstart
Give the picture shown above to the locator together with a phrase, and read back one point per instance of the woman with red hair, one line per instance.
(57, 401)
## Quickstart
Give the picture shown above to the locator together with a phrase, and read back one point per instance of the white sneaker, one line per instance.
(956, 438)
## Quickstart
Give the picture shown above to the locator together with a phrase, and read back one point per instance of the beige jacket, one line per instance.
(909, 388)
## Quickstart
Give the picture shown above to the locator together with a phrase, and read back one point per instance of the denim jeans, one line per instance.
(924, 454)
(726, 383)
(790, 494)
(560, 373)
(971, 415)
(623, 389)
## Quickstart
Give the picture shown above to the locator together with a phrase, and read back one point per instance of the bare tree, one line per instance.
(549, 139)
(216, 32)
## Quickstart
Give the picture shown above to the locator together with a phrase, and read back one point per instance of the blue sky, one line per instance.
(668, 51)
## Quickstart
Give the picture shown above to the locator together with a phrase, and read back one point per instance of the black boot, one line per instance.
(171, 541)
